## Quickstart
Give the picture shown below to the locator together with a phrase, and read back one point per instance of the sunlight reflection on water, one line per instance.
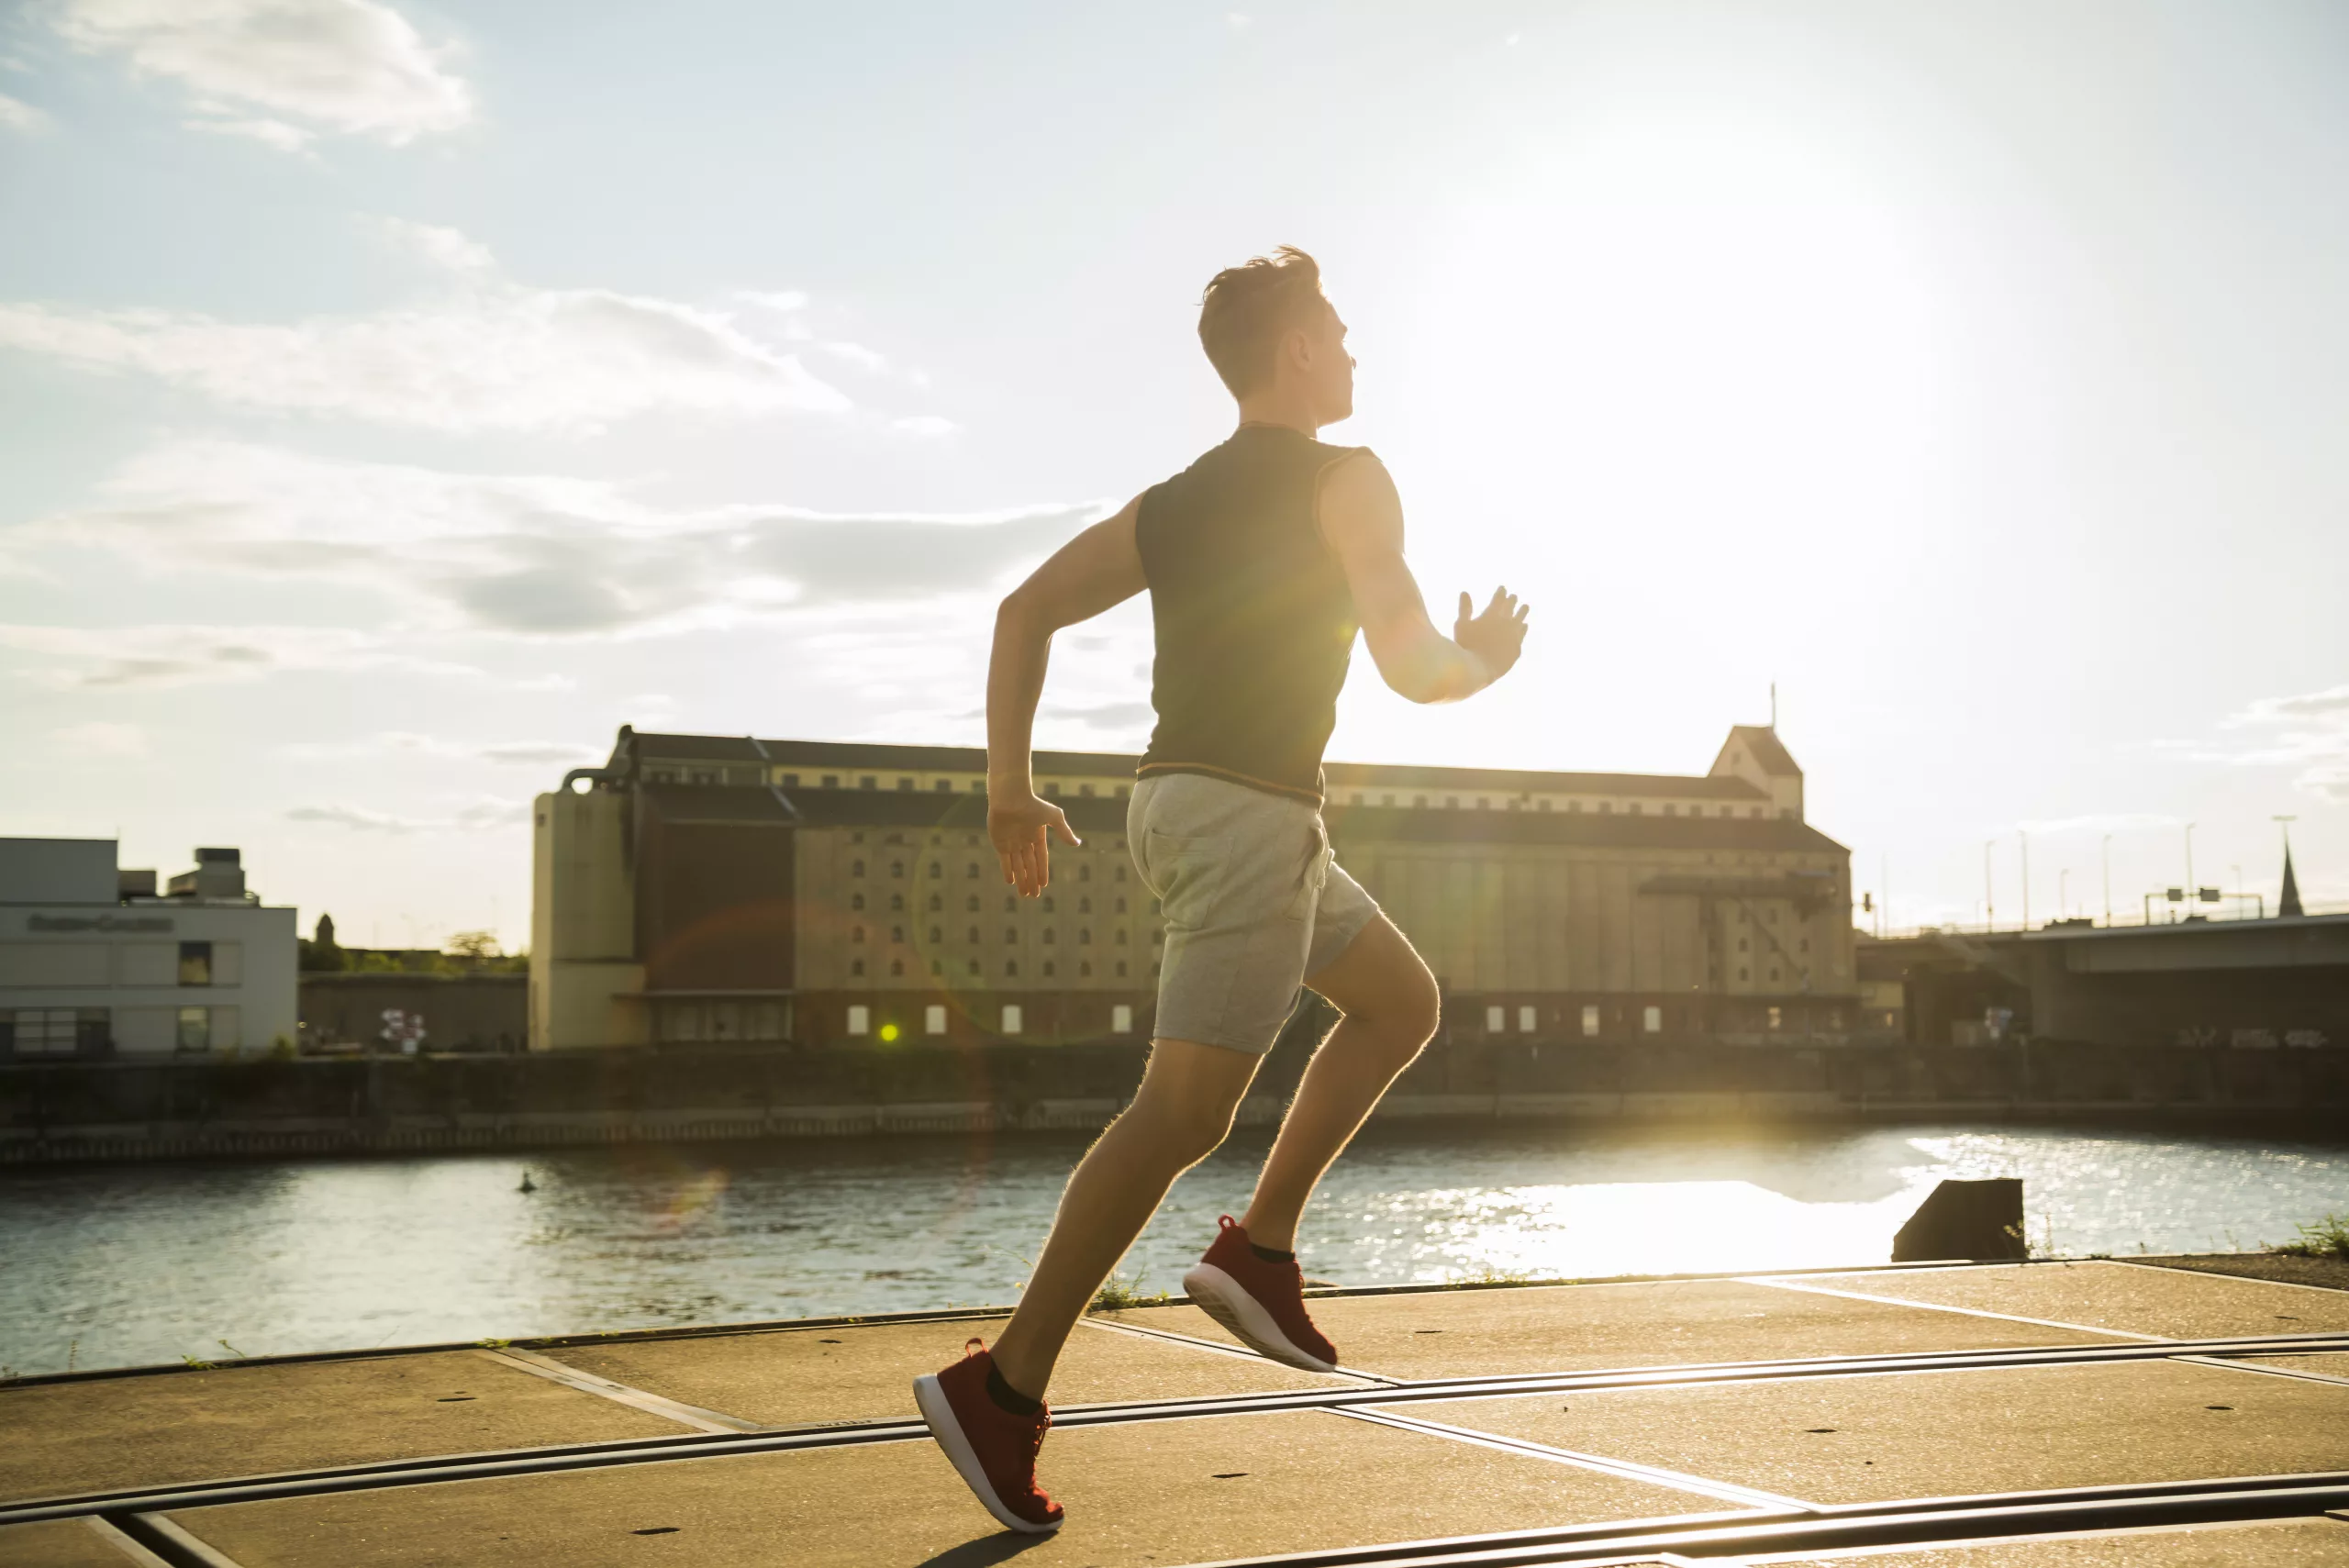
(130, 1265)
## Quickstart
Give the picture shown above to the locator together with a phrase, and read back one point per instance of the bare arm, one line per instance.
(1097, 569)
(1362, 518)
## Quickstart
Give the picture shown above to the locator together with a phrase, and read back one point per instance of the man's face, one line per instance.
(1332, 373)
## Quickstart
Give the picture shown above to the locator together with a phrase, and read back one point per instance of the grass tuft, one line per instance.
(1119, 1293)
(2328, 1238)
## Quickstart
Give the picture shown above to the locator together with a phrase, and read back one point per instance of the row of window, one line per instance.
(1046, 905)
(1049, 970)
(121, 963)
(69, 1031)
(1529, 1019)
(1054, 788)
(1011, 1019)
(1010, 935)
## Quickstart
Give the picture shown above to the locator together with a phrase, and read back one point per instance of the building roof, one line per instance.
(1528, 781)
(1770, 754)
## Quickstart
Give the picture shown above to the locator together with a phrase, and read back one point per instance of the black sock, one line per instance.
(1270, 1256)
(1010, 1398)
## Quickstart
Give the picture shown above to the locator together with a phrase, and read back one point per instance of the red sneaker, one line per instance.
(993, 1449)
(1261, 1304)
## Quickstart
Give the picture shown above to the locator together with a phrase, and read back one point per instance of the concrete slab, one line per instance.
(1882, 1438)
(809, 1377)
(1145, 1495)
(2172, 1304)
(111, 1433)
(2282, 1543)
(70, 1543)
(1476, 1333)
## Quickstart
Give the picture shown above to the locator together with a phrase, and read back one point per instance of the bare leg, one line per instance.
(1390, 1001)
(1181, 1112)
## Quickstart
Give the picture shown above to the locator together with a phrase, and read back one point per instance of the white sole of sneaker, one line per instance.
(1222, 1297)
(939, 1411)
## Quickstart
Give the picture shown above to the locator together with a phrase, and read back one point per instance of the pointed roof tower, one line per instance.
(2288, 902)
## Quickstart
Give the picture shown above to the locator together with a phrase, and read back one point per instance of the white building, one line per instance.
(93, 963)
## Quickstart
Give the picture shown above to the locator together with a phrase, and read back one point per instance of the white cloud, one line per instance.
(531, 555)
(435, 244)
(480, 815)
(180, 655)
(488, 354)
(269, 133)
(787, 301)
(18, 114)
(924, 424)
(2308, 731)
(407, 744)
(347, 67)
(97, 739)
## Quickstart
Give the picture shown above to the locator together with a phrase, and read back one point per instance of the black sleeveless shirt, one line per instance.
(1254, 618)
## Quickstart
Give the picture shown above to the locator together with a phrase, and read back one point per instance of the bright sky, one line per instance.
(395, 400)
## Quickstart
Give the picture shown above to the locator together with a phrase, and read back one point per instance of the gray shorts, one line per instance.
(1254, 902)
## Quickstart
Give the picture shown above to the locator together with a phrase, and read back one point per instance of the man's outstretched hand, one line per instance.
(1022, 825)
(1497, 636)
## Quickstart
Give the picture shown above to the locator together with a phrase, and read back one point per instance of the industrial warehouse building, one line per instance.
(701, 888)
(95, 963)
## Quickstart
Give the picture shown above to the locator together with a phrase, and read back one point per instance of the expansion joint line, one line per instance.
(685, 1415)
(1630, 1470)
(1192, 1342)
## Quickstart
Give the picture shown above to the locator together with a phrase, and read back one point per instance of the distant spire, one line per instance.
(2289, 902)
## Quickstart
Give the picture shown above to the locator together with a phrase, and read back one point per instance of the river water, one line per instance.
(134, 1265)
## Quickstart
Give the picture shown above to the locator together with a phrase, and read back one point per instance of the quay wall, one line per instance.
(65, 1112)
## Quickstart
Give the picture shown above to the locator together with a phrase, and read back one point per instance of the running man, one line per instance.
(1262, 560)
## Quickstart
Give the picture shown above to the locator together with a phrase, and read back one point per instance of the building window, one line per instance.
(1774, 975)
(1670, 809)
(868, 782)
(860, 1019)
(1543, 804)
(1085, 874)
(1053, 788)
(973, 937)
(971, 872)
(1484, 804)
(1528, 1020)
(972, 906)
(1084, 789)
(1121, 935)
(936, 936)
(1591, 1023)
(1121, 1019)
(1495, 1019)
(1740, 944)
(1085, 936)
(933, 1020)
(1121, 964)
(1048, 904)
(856, 967)
(943, 786)
(937, 905)
(856, 933)
(1385, 800)
(936, 967)
(1156, 937)
(1051, 936)
(856, 901)
(1117, 875)
(195, 1028)
(1011, 1018)
(195, 964)
(1121, 905)
(897, 868)
(1011, 934)
(1010, 903)
(1451, 803)
(897, 933)
(856, 868)
(896, 966)
(1778, 1017)
(1741, 972)
(935, 869)
(1085, 969)
(1803, 946)
(1419, 800)
(905, 783)
(1048, 969)
(1085, 906)
(1605, 807)
(1635, 808)
(1651, 1020)
(1755, 812)
(975, 966)
(1011, 967)
(1574, 806)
